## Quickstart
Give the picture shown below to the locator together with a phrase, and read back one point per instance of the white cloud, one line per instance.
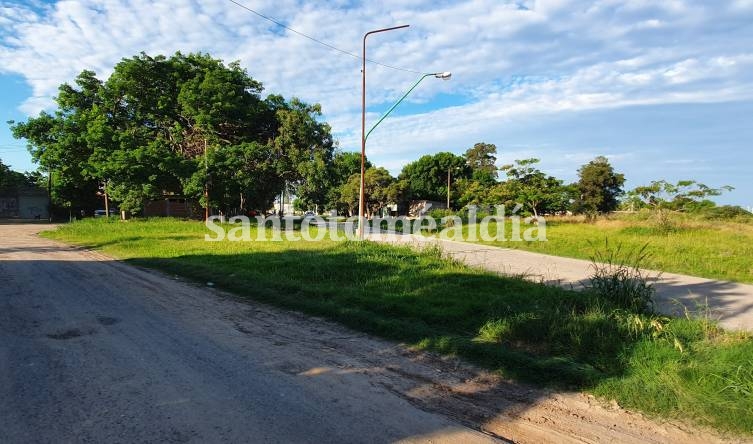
(510, 60)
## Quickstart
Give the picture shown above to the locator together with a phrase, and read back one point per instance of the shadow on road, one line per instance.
(93, 335)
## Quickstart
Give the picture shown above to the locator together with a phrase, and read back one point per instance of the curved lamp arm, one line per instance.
(439, 75)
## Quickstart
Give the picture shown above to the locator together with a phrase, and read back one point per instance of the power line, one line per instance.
(12, 150)
(332, 47)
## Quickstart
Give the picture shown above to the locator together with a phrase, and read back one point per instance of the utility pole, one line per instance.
(107, 201)
(206, 183)
(448, 188)
(49, 195)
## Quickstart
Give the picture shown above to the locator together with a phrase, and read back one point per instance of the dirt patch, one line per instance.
(471, 396)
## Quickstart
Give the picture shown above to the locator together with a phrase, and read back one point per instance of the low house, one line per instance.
(25, 202)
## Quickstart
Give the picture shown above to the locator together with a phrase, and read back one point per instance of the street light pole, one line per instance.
(361, 219)
(365, 135)
(361, 195)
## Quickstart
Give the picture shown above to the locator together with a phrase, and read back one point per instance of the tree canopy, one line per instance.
(12, 180)
(191, 126)
(426, 178)
(530, 187)
(380, 190)
(685, 195)
(175, 125)
(481, 159)
(599, 187)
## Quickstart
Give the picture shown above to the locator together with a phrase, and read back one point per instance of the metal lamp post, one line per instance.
(365, 135)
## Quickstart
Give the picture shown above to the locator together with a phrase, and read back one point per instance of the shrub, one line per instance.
(618, 278)
(727, 212)
(664, 221)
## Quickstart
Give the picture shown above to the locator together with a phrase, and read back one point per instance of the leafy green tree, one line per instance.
(11, 180)
(169, 126)
(427, 176)
(599, 187)
(303, 149)
(348, 194)
(530, 187)
(632, 201)
(344, 165)
(690, 195)
(472, 192)
(241, 176)
(684, 195)
(481, 159)
(160, 115)
(380, 190)
(58, 143)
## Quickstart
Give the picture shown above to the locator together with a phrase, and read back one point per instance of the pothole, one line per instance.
(67, 334)
(106, 320)
(71, 333)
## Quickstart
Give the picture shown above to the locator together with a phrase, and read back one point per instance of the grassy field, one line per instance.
(544, 335)
(678, 244)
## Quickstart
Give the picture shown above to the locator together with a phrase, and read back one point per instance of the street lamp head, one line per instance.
(443, 75)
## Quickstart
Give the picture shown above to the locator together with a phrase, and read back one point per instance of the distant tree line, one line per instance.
(474, 179)
(11, 181)
(191, 126)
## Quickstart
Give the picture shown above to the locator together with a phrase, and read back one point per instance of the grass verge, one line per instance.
(674, 368)
(679, 243)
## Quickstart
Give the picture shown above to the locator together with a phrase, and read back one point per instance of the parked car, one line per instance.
(103, 213)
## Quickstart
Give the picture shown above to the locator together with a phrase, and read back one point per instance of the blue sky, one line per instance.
(664, 89)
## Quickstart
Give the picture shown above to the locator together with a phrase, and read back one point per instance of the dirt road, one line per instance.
(92, 350)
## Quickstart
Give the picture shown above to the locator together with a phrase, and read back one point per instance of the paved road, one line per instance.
(729, 302)
(92, 350)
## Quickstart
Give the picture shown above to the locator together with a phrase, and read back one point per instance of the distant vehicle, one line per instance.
(308, 214)
(103, 213)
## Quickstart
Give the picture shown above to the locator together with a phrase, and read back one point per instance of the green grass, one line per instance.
(682, 244)
(676, 368)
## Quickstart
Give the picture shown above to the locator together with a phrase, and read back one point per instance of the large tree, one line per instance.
(481, 159)
(303, 148)
(11, 180)
(682, 196)
(58, 143)
(530, 187)
(175, 126)
(599, 187)
(426, 177)
(344, 166)
(380, 190)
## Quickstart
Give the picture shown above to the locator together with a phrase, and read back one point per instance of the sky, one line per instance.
(664, 89)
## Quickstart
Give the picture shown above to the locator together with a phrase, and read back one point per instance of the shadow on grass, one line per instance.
(531, 332)
(527, 331)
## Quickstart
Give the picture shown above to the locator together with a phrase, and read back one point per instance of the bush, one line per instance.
(619, 279)
(438, 214)
(727, 212)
